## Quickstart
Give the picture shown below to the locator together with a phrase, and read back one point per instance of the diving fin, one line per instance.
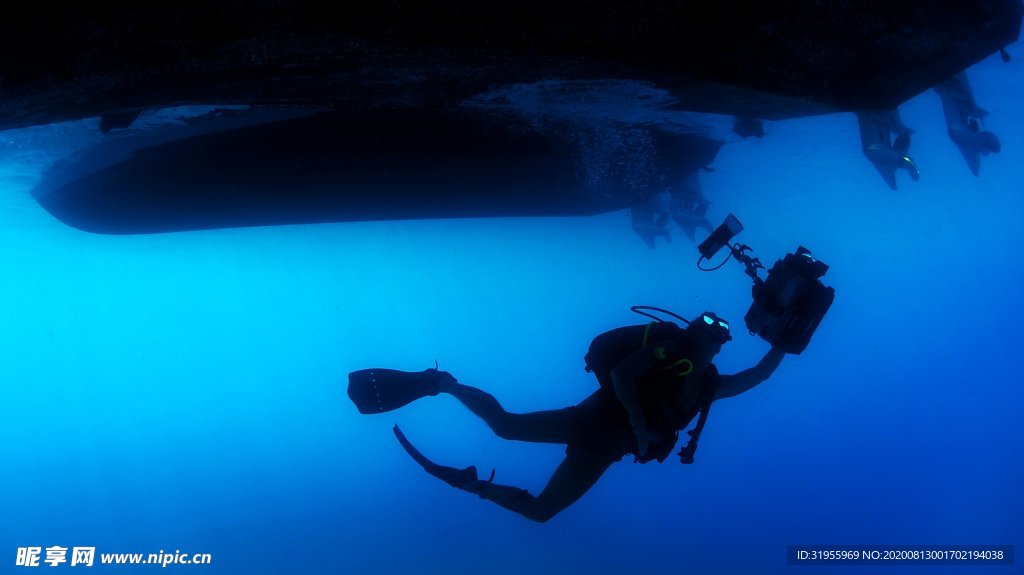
(465, 479)
(380, 390)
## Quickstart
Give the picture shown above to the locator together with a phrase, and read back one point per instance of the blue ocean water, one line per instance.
(187, 391)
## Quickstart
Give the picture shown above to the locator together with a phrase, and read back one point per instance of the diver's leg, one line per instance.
(572, 478)
(552, 426)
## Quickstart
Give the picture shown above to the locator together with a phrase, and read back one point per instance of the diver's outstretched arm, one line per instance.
(732, 385)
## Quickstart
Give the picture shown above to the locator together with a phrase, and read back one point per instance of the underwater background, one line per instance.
(187, 391)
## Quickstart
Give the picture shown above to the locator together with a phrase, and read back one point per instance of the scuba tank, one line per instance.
(609, 349)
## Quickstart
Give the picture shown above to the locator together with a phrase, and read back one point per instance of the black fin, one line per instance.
(381, 390)
(460, 478)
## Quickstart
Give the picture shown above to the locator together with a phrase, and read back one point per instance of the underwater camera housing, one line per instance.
(790, 303)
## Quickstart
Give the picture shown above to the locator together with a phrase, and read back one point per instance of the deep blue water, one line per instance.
(186, 391)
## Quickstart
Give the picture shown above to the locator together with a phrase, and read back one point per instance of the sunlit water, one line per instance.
(186, 391)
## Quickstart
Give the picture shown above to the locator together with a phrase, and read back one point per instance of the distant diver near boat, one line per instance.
(653, 380)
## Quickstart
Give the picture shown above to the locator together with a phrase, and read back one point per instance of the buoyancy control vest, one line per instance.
(658, 389)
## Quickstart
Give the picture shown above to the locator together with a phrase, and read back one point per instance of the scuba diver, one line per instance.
(653, 380)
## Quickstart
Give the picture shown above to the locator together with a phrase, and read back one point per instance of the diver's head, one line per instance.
(710, 330)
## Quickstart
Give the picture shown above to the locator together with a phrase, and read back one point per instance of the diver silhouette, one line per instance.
(654, 379)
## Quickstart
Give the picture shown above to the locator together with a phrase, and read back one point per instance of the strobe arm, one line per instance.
(752, 264)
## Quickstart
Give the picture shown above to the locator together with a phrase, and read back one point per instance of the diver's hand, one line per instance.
(643, 436)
